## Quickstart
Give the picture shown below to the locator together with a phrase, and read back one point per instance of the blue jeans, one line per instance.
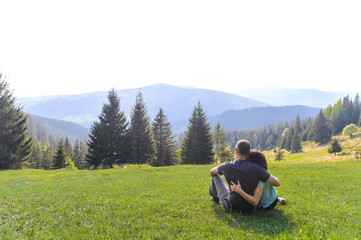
(219, 189)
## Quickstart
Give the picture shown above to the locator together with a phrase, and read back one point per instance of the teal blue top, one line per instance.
(269, 195)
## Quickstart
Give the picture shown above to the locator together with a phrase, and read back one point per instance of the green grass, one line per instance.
(141, 202)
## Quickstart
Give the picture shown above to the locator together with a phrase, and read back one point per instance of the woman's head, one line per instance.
(259, 158)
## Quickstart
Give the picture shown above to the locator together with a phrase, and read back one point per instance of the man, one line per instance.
(246, 172)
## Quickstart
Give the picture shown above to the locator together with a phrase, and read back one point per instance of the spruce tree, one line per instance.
(357, 110)
(109, 137)
(95, 154)
(69, 148)
(288, 144)
(296, 142)
(283, 138)
(78, 156)
(197, 147)
(165, 146)
(296, 145)
(143, 149)
(219, 143)
(59, 160)
(15, 145)
(320, 130)
(337, 121)
(335, 147)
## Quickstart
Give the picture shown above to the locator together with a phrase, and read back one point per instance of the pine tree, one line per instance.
(47, 157)
(143, 149)
(288, 144)
(297, 125)
(109, 137)
(77, 155)
(357, 110)
(15, 145)
(320, 130)
(296, 145)
(69, 148)
(283, 138)
(59, 160)
(165, 146)
(337, 121)
(197, 147)
(296, 142)
(335, 147)
(95, 154)
(219, 144)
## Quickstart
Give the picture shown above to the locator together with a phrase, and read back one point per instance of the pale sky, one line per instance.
(77, 46)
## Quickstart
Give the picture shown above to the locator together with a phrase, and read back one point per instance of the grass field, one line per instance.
(142, 202)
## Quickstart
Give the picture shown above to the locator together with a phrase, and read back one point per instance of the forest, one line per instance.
(115, 140)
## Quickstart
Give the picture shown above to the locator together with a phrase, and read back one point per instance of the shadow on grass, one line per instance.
(268, 223)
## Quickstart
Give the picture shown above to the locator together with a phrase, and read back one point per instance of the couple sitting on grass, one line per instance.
(251, 185)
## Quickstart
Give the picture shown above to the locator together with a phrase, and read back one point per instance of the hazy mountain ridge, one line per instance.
(58, 128)
(259, 117)
(177, 103)
(288, 96)
(233, 111)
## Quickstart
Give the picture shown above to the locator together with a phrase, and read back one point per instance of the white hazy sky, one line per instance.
(52, 47)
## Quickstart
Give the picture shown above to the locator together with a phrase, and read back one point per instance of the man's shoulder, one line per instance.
(227, 164)
(222, 168)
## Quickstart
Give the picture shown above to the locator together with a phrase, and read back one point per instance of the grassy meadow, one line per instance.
(142, 202)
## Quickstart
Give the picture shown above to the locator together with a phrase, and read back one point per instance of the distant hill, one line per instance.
(57, 128)
(288, 96)
(259, 117)
(177, 103)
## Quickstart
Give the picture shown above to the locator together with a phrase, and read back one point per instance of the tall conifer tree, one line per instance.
(296, 145)
(59, 160)
(197, 146)
(288, 144)
(334, 147)
(357, 110)
(69, 148)
(109, 137)
(165, 146)
(143, 148)
(15, 145)
(320, 130)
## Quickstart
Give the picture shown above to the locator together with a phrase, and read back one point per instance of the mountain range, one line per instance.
(178, 103)
(287, 96)
(40, 127)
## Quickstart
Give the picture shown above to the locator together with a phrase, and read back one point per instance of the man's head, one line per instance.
(259, 158)
(243, 147)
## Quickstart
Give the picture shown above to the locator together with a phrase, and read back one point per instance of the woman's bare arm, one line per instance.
(253, 200)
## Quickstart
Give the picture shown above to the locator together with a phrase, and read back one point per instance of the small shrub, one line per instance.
(279, 154)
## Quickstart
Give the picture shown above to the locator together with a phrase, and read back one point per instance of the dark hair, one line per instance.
(258, 157)
(243, 147)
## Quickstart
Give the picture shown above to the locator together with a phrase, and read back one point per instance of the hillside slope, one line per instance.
(56, 128)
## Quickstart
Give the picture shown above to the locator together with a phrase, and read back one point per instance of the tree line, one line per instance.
(290, 135)
(115, 139)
